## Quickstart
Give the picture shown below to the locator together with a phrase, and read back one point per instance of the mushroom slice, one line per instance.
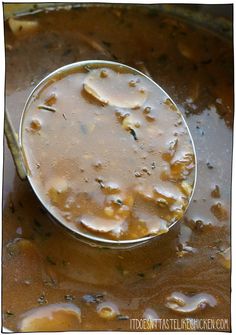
(182, 303)
(186, 51)
(157, 226)
(219, 211)
(172, 146)
(97, 224)
(186, 188)
(114, 89)
(150, 314)
(154, 224)
(152, 318)
(22, 26)
(129, 122)
(26, 261)
(224, 258)
(54, 317)
(107, 310)
(182, 167)
(58, 183)
(168, 192)
(57, 190)
(22, 246)
(111, 188)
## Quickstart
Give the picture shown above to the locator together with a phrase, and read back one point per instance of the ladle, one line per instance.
(15, 145)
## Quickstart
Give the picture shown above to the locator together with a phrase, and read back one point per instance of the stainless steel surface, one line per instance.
(12, 141)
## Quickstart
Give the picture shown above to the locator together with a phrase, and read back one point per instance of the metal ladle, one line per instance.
(15, 146)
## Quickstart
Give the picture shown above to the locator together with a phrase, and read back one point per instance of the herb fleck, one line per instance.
(141, 274)
(153, 165)
(133, 133)
(12, 207)
(122, 317)
(156, 266)
(100, 182)
(83, 129)
(209, 166)
(42, 300)
(47, 108)
(163, 58)
(65, 263)
(9, 313)
(215, 193)
(106, 43)
(119, 202)
(69, 297)
(93, 299)
(50, 260)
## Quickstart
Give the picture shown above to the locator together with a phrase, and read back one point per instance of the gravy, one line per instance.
(184, 274)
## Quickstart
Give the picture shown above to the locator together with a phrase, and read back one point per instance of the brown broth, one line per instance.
(190, 263)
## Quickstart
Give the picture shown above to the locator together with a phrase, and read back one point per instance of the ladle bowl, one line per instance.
(17, 149)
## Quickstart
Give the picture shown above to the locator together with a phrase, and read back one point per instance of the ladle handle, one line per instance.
(12, 141)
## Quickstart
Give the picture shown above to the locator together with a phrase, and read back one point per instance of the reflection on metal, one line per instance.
(12, 141)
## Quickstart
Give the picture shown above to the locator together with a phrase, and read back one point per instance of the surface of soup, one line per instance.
(108, 152)
(53, 281)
